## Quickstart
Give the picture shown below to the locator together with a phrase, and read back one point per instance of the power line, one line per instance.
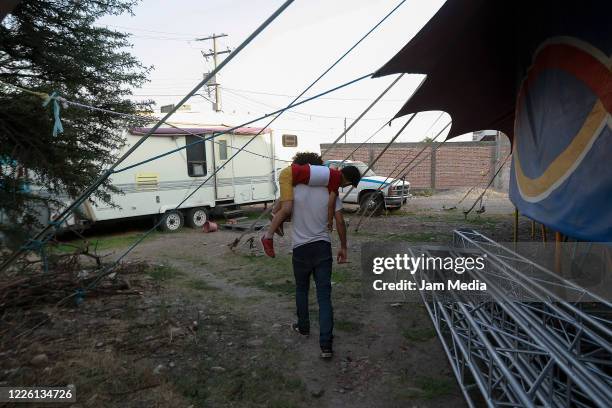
(191, 36)
(296, 112)
(247, 91)
(293, 96)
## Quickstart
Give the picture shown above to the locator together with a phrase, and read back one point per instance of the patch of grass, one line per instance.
(434, 387)
(106, 242)
(272, 275)
(425, 388)
(199, 284)
(418, 237)
(240, 385)
(408, 236)
(267, 383)
(427, 192)
(419, 333)
(164, 272)
(285, 287)
(341, 275)
(348, 326)
(191, 386)
(488, 222)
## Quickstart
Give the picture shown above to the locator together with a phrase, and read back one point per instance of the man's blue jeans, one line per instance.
(314, 258)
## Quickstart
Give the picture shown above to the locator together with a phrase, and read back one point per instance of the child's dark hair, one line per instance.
(311, 158)
(351, 173)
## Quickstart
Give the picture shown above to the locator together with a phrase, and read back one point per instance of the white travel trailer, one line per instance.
(157, 187)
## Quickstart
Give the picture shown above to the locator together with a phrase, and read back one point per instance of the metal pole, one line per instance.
(516, 221)
(399, 132)
(366, 111)
(217, 90)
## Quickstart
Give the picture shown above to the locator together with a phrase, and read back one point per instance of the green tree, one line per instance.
(54, 45)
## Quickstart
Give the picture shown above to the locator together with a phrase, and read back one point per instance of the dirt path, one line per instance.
(377, 362)
(200, 326)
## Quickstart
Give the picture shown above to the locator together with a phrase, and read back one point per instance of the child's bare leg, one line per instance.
(331, 207)
(281, 215)
(277, 206)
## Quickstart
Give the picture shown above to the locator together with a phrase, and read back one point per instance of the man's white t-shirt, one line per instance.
(309, 216)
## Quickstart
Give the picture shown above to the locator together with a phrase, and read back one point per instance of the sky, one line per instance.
(282, 61)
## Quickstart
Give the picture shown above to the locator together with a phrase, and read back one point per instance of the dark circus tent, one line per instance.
(540, 72)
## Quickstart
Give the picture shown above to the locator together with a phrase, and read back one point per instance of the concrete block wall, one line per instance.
(452, 165)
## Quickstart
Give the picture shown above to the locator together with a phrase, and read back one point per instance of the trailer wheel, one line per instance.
(196, 217)
(172, 221)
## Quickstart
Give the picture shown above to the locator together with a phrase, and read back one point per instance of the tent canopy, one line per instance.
(476, 52)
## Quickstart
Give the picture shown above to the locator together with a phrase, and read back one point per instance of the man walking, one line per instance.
(312, 255)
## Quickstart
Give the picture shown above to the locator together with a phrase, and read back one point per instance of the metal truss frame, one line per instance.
(523, 345)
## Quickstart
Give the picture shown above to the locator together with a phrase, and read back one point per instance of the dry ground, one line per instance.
(202, 326)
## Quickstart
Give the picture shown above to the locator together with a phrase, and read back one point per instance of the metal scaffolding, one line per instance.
(523, 345)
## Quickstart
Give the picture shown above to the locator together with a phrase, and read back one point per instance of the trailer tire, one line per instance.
(172, 221)
(196, 217)
(372, 203)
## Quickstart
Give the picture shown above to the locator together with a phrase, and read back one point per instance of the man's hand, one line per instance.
(342, 256)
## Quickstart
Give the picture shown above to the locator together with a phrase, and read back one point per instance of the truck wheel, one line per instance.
(172, 221)
(371, 203)
(196, 217)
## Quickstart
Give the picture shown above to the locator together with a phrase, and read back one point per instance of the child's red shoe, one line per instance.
(268, 246)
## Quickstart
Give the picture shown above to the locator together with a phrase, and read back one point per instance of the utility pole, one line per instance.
(344, 130)
(215, 53)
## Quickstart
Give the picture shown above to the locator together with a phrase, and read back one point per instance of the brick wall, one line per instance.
(452, 165)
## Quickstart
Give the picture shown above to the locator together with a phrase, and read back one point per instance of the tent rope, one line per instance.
(468, 211)
(406, 170)
(251, 228)
(235, 243)
(483, 178)
(107, 270)
(64, 216)
(399, 132)
(374, 102)
(88, 191)
(277, 112)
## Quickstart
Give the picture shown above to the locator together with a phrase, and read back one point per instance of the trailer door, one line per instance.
(225, 176)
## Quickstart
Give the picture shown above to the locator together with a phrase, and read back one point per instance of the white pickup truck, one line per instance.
(374, 193)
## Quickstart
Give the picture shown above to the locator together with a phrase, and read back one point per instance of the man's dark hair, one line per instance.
(311, 158)
(351, 173)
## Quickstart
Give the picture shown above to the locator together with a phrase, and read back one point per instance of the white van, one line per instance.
(157, 187)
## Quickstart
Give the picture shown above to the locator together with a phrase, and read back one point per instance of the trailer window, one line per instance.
(222, 149)
(290, 141)
(196, 157)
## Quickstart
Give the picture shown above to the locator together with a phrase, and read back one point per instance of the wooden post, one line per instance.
(558, 239)
(533, 228)
(516, 221)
